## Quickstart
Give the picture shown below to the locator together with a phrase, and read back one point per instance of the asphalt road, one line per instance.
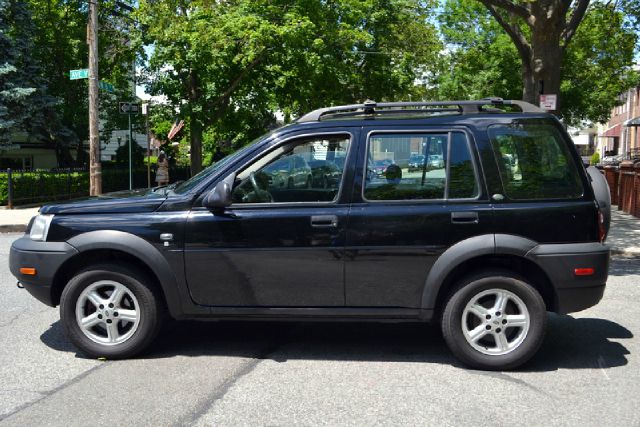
(320, 374)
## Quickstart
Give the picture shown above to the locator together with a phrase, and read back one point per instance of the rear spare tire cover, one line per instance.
(601, 191)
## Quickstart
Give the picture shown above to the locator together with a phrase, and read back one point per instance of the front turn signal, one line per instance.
(28, 271)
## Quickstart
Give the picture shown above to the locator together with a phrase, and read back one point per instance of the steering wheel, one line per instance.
(254, 184)
(260, 193)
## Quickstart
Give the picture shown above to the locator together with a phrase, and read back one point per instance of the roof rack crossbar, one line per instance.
(370, 107)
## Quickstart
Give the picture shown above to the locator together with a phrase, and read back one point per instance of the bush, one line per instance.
(45, 186)
(595, 158)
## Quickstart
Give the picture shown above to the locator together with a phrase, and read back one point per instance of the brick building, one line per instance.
(621, 135)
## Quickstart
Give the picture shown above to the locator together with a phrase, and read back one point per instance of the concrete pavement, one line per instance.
(624, 235)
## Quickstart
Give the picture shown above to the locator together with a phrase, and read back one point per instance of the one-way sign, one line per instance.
(129, 108)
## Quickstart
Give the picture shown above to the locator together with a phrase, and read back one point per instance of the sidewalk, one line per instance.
(15, 220)
(624, 235)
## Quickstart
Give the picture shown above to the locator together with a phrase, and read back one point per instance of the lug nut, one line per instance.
(488, 316)
(99, 316)
(110, 305)
(498, 313)
(115, 314)
(497, 330)
(108, 320)
(504, 321)
(101, 306)
(488, 327)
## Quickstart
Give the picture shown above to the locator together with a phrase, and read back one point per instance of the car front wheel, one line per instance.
(111, 311)
(494, 321)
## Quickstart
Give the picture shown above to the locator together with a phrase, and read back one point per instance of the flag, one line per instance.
(177, 126)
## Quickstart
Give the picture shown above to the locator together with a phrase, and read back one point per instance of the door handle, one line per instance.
(467, 217)
(324, 221)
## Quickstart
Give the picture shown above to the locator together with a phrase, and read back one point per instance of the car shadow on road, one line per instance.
(584, 343)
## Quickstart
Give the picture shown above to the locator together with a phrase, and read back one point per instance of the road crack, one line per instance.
(224, 388)
(46, 394)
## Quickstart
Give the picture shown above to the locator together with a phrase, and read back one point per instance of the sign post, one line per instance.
(129, 108)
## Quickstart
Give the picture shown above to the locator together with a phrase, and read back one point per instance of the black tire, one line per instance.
(526, 344)
(149, 308)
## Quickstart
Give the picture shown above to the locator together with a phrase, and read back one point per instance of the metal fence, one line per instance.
(23, 187)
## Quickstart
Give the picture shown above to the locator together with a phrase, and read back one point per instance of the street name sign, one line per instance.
(105, 86)
(79, 74)
(129, 108)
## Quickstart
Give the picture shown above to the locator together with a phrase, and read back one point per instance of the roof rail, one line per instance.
(371, 107)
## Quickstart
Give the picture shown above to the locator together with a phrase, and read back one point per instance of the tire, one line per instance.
(117, 331)
(485, 342)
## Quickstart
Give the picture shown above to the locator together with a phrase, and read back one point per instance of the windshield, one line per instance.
(207, 172)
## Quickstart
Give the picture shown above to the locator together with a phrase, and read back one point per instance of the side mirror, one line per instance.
(220, 196)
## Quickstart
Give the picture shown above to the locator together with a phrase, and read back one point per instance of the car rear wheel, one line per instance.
(111, 311)
(495, 320)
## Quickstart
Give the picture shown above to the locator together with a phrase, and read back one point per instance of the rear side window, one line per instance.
(534, 161)
(419, 166)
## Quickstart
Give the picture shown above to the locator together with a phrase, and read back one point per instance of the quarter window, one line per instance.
(534, 161)
(306, 170)
(420, 166)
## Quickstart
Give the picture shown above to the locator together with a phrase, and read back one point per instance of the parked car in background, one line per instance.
(324, 174)
(289, 172)
(611, 160)
(380, 166)
(416, 162)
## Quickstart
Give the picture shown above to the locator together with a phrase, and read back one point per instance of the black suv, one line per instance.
(509, 225)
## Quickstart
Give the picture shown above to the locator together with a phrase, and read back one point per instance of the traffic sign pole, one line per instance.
(95, 167)
(130, 145)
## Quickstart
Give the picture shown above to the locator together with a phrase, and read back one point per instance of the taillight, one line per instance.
(602, 232)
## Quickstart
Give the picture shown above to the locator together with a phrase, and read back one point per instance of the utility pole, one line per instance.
(145, 111)
(95, 168)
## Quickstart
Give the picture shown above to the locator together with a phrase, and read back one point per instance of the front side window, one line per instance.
(420, 166)
(534, 161)
(305, 170)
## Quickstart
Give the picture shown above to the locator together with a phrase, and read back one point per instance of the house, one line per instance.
(621, 134)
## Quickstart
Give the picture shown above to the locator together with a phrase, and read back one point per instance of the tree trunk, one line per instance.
(541, 76)
(195, 126)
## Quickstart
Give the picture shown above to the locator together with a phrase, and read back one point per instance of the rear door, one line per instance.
(402, 221)
(544, 195)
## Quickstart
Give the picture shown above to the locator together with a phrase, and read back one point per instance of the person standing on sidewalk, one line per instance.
(162, 171)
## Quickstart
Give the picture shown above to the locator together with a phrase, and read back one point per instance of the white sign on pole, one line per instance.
(548, 102)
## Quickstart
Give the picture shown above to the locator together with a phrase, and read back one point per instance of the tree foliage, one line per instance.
(484, 61)
(229, 65)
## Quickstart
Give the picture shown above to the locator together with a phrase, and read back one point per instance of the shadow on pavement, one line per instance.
(570, 343)
(621, 266)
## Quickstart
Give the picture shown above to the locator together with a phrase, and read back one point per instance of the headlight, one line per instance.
(40, 227)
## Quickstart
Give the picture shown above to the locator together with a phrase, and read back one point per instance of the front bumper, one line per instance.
(46, 258)
(559, 261)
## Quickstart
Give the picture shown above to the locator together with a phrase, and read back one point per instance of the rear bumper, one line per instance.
(46, 258)
(559, 261)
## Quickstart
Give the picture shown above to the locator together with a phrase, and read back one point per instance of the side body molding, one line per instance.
(486, 244)
(139, 248)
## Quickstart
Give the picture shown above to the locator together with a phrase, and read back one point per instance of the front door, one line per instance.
(281, 242)
(403, 218)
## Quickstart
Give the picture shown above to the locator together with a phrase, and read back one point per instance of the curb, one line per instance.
(13, 228)
(625, 252)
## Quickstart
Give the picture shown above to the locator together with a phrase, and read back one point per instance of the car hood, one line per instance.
(130, 201)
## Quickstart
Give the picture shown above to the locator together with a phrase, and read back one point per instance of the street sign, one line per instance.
(548, 102)
(79, 74)
(129, 108)
(105, 86)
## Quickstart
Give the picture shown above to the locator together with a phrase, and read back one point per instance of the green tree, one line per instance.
(228, 66)
(483, 60)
